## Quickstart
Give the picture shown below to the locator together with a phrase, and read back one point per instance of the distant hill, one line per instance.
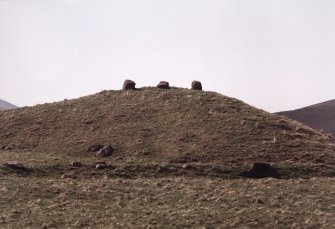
(6, 105)
(320, 116)
(151, 126)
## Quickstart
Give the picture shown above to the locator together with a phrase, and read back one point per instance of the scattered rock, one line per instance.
(6, 147)
(129, 85)
(163, 85)
(104, 165)
(258, 201)
(163, 169)
(15, 165)
(196, 85)
(105, 151)
(101, 165)
(95, 148)
(69, 176)
(261, 170)
(76, 164)
(187, 167)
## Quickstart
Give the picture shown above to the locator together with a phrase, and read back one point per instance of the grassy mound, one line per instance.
(176, 154)
(163, 132)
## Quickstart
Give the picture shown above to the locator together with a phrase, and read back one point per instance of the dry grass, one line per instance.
(166, 203)
(177, 160)
(161, 126)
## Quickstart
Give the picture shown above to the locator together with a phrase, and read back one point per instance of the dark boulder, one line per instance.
(101, 165)
(196, 85)
(105, 151)
(163, 85)
(6, 148)
(163, 169)
(76, 164)
(129, 85)
(95, 148)
(15, 165)
(261, 170)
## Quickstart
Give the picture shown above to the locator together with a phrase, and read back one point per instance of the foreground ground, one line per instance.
(169, 202)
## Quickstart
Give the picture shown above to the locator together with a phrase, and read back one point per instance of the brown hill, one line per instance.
(320, 116)
(155, 131)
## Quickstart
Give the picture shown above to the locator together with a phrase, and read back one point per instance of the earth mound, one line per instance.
(163, 132)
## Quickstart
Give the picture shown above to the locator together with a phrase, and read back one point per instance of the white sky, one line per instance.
(273, 54)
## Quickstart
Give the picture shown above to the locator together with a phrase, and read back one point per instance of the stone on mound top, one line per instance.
(163, 85)
(196, 85)
(128, 85)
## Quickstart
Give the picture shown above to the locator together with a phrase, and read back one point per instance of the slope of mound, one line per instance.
(6, 105)
(318, 116)
(150, 126)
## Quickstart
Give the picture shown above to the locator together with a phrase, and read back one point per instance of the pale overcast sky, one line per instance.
(273, 54)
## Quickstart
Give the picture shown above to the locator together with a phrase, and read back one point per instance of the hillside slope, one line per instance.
(5, 105)
(318, 116)
(151, 126)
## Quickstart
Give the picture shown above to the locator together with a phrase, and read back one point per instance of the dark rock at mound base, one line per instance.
(6, 148)
(187, 167)
(196, 85)
(105, 151)
(261, 170)
(15, 165)
(163, 85)
(163, 169)
(69, 175)
(95, 148)
(101, 165)
(76, 164)
(129, 85)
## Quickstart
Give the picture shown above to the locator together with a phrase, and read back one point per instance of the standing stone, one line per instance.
(196, 85)
(128, 85)
(163, 85)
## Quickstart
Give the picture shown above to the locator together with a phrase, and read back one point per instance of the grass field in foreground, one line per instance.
(173, 202)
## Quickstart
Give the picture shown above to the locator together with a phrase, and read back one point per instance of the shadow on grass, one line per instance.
(134, 171)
